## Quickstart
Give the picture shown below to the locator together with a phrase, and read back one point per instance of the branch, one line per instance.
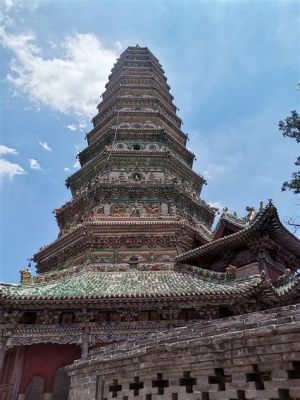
(293, 221)
(290, 127)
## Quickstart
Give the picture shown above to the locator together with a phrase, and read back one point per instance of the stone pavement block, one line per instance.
(158, 397)
(294, 394)
(206, 387)
(228, 395)
(262, 394)
(188, 396)
(202, 380)
(283, 384)
(233, 370)
(240, 386)
(297, 317)
(279, 374)
(239, 377)
(125, 393)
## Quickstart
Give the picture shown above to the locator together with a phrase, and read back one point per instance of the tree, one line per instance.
(290, 127)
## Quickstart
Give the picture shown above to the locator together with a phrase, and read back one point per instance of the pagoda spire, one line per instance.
(136, 194)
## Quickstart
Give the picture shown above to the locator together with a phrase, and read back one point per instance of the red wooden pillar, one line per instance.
(11, 373)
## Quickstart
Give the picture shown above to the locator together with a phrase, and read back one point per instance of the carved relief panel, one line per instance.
(118, 210)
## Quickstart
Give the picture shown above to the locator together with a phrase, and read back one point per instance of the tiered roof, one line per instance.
(136, 159)
(92, 283)
(265, 222)
(137, 108)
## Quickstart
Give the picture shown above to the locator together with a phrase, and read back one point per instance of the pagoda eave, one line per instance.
(122, 157)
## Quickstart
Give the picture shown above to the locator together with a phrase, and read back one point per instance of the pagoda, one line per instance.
(136, 252)
(135, 195)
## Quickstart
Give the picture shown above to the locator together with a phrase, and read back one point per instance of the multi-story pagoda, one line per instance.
(136, 252)
(136, 194)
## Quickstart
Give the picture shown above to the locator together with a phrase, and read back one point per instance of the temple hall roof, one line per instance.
(94, 284)
(265, 222)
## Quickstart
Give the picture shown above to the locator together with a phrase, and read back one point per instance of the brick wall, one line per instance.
(255, 356)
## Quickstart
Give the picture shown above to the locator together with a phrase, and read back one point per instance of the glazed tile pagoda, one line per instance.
(136, 252)
(135, 193)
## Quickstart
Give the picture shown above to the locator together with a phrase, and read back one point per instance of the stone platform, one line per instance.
(253, 356)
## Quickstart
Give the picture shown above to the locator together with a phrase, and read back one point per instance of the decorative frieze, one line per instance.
(89, 240)
(171, 193)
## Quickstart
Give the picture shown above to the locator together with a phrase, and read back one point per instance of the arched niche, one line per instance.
(35, 389)
(61, 385)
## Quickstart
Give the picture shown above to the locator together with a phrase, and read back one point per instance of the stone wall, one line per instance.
(253, 356)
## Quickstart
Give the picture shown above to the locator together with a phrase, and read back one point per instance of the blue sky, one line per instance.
(233, 68)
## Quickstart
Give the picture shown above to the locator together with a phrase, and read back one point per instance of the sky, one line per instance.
(233, 68)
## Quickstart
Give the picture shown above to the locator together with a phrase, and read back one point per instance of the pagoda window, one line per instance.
(28, 318)
(225, 312)
(101, 317)
(67, 318)
(149, 315)
(188, 313)
(191, 314)
(136, 176)
(136, 147)
(153, 147)
(114, 317)
(154, 316)
(143, 316)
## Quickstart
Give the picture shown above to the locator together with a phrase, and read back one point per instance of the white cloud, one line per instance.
(80, 126)
(34, 164)
(76, 164)
(8, 4)
(207, 174)
(66, 169)
(71, 83)
(78, 148)
(216, 204)
(72, 127)
(214, 170)
(7, 150)
(45, 146)
(10, 169)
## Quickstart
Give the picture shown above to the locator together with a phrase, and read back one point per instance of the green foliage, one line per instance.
(290, 127)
